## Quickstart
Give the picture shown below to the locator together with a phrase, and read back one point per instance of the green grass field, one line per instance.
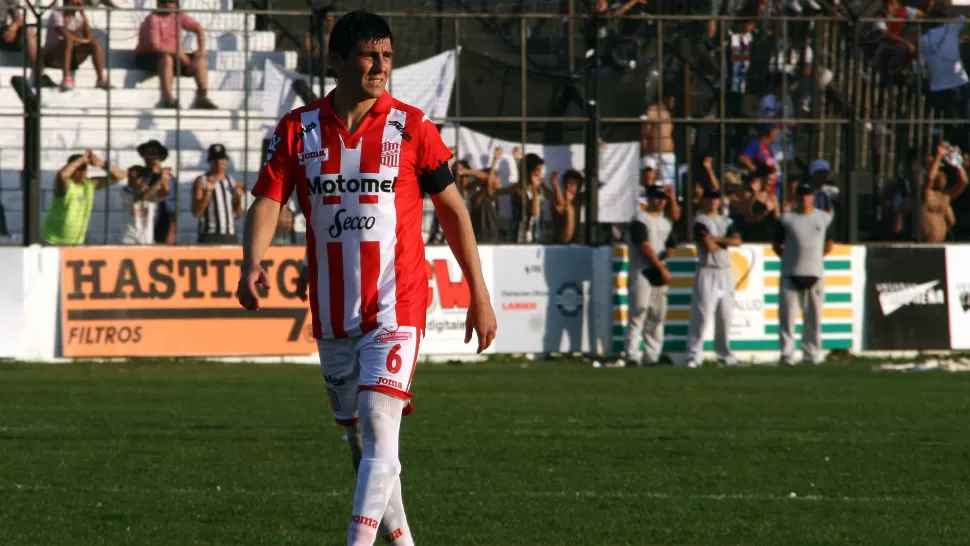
(500, 453)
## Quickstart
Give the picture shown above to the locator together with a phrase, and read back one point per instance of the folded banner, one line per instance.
(426, 85)
(619, 167)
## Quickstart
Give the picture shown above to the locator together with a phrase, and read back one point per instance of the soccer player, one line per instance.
(714, 282)
(360, 163)
(803, 238)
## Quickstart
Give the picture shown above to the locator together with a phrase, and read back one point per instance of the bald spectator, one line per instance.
(160, 47)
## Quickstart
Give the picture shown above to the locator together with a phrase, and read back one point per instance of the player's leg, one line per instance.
(722, 319)
(812, 323)
(788, 307)
(701, 305)
(387, 360)
(639, 302)
(394, 525)
(653, 329)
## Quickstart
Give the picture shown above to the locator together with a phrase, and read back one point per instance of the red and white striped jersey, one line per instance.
(362, 195)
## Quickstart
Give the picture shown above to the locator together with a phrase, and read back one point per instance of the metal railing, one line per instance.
(836, 104)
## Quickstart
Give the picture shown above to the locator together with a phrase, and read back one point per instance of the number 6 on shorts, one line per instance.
(387, 360)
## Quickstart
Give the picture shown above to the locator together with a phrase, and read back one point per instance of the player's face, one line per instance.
(368, 66)
(711, 204)
(656, 203)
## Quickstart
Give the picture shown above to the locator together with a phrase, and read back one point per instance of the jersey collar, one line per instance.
(381, 107)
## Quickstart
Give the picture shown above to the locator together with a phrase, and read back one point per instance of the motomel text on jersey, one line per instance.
(325, 186)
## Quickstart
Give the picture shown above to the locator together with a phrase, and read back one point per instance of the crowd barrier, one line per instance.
(102, 302)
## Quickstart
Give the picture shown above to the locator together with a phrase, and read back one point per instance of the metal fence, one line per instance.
(838, 94)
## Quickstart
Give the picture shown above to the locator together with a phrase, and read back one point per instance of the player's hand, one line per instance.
(665, 275)
(303, 283)
(246, 292)
(481, 320)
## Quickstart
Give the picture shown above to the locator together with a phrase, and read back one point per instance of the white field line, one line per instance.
(713, 497)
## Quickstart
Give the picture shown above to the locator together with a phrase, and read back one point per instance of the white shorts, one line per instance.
(383, 360)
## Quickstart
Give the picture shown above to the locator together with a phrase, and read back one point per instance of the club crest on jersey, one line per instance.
(390, 154)
(322, 155)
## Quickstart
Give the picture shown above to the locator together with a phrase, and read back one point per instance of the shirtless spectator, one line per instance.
(567, 207)
(648, 179)
(657, 140)
(937, 214)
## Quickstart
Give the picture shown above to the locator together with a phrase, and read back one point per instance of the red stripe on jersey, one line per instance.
(331, 200)
(330, 140)
(370, 274)
(371, 143)
(335, 269)
(368, 199)
(417, 349)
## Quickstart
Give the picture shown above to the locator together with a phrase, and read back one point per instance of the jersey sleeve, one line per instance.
(275, 178)
(732, 228)
(638, 232)
(779, 235)
(700, 230)
(433, 172)
(671, 241)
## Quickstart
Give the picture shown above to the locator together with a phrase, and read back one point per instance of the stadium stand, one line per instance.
(74, 121)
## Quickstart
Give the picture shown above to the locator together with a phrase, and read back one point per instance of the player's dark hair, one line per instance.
(355, 27)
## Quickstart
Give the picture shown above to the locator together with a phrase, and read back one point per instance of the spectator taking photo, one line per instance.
(139, 202)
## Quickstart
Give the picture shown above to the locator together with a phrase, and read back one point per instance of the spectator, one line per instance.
(791, 199)
(217, 201)
(568, 206)
(940, 57)
(648, 179)
(737, 62)
(70, 42)
(937, 216)
(526, 228)
(613, 45)
(707, 181)
(139, 202)
(66, 222)
(159, 47)
(759, 206)
(894, 52)
(761, 151)
(154, 153)
(16, 37)
(657, 140)
(484, 189)
(826, 192)
(309, 61)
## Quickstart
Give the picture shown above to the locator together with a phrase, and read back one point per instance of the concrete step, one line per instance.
(55, 137)
(186, 159)
(218, 60)
(134, 98)
(128, 119)
(130, 19)
(139, 79)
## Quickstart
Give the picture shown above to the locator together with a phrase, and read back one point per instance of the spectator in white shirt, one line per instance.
(939, 54)
(139, 202)
(69, 43)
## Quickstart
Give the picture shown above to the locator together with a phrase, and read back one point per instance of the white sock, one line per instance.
(380, 421)
(394, 525)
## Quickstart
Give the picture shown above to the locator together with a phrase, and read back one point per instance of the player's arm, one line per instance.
(435, 178)
(271, 192)
(733, 237)
(640, 237)
(672, 204)
(778, 241)
(704, 238)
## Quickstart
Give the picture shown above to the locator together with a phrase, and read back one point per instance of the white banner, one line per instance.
(450, 298)
(426, 85)
(619, 167)
(542, 298)
(958, 295)
(13, 336)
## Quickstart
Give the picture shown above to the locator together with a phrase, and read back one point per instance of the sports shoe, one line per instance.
(203, 103)
(785, 362)
(104, 85)
(67, 84)
(692, 364)
(169, 103)
(729, 361)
